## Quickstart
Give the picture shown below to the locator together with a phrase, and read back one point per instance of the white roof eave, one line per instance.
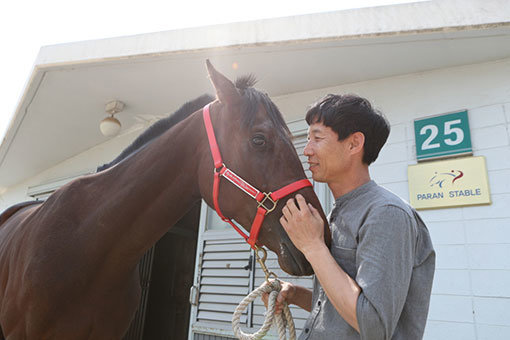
(410, 18)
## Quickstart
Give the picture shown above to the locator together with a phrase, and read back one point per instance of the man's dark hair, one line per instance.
(346, 114)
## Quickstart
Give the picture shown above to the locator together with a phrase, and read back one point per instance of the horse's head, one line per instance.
(255, 143)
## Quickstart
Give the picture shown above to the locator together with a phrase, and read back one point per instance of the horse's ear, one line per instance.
(225, 89)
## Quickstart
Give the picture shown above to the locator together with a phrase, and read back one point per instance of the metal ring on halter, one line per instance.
(267, 197)
(215, 170)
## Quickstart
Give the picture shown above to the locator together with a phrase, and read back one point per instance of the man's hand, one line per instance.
(303, 224)
(286, 295)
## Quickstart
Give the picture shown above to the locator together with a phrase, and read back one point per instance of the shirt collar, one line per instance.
(355, 193)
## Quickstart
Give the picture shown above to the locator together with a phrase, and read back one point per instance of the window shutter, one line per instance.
(224, 281)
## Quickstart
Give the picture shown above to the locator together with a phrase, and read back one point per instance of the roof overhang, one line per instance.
(63, 102)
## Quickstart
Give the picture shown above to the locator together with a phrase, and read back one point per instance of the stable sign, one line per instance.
(449, 183)
(442, 136)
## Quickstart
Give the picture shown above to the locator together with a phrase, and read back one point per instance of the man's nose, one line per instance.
(307, 151)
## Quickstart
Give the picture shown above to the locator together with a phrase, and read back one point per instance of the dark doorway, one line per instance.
(164, 315)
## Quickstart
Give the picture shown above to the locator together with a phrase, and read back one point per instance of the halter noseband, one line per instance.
(266, 201)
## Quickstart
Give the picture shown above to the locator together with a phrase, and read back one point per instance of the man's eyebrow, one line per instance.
(315, 130)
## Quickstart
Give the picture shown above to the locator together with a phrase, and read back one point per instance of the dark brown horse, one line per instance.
(68, 266)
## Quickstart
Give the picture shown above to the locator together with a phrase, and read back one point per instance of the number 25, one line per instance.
(448, 129)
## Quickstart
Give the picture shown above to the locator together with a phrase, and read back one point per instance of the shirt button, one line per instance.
(319, 303)
(307, 330)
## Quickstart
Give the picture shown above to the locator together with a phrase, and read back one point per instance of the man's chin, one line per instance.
(317, 178)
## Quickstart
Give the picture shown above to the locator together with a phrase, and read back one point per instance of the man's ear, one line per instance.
(357, 142)
(225, 89)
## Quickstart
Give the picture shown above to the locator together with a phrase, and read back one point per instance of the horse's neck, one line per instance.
(149, 192)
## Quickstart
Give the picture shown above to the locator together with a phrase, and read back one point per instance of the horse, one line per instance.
(69, 265)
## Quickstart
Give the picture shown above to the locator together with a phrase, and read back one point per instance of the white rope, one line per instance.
(273, 288)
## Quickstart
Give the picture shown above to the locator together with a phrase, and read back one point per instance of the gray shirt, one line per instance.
(383, 244)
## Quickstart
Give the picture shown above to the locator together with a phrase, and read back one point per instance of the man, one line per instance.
(375, 281)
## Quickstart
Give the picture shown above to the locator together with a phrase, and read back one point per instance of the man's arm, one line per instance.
(302, 298)
(341, 289)
(385, 256)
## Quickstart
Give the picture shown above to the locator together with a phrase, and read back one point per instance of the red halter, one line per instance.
(221, 170)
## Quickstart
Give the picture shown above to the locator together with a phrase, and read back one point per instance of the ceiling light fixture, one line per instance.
(110, 126)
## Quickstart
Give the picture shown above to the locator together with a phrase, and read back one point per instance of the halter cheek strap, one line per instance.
(266, 201)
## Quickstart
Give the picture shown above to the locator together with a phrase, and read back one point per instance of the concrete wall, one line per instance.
(471, 293)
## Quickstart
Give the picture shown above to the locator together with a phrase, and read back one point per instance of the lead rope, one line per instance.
(283, 320)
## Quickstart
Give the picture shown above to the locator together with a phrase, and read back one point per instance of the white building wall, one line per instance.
(471, 293)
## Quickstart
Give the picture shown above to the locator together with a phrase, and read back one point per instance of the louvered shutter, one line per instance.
(224, 280)
(221, 278)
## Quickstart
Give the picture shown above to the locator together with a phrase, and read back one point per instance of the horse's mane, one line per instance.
(159, 127)
(252, 99)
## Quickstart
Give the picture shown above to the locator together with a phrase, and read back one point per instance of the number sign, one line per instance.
(442, 136)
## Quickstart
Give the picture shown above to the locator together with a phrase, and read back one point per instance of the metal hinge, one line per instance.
(193, 295)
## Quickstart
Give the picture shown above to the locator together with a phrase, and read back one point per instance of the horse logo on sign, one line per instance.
(440, 179)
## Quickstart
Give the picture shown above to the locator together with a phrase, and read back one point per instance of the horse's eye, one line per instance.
(258, 140)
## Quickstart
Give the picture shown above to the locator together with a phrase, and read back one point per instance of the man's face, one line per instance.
(328, 158)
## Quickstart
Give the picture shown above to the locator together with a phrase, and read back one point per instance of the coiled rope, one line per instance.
(283, 320)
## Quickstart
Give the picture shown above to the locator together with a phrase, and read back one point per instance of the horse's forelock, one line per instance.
(246, 81)
(252, 99)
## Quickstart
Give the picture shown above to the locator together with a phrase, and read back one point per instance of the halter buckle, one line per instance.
(267, 196)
